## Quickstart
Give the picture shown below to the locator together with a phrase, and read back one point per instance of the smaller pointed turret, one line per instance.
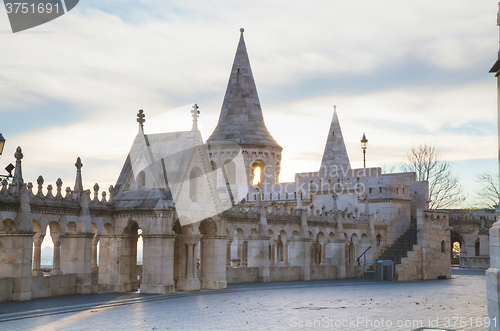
(335, 156)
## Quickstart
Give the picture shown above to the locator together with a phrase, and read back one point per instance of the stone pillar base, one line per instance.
(157, 289)
(22, 296)
(56, 272)
(305, 273)
(36, 273)
(492, 294)
(213, 285)
(188, 284)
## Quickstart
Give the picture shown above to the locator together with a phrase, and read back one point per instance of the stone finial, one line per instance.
(49, 191)
(68, 195)
(59, 183)
(111, 191)
(103, 196)
(78, 181)
(40, 181)
(96, 192)
(78, 164)
(18, 176)
(195, 113)
(29, 186)
(242, 30)
(18, 155)
(141, 119)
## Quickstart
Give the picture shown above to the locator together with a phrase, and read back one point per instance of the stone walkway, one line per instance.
(353, 304)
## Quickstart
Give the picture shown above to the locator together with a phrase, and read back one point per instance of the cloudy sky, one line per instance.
(403, 72)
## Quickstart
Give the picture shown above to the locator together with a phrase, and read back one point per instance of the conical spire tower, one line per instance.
(335, 155)
(241, 120)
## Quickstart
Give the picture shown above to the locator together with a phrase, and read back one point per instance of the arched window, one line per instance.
(443, 246)
(141, 179)
(229, 171)
(477, 247)
(379, 240)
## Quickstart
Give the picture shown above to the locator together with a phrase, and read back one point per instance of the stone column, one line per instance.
(76, 258)
(323, 254)
(273, 255)
(214, 259)
(158, 263)
(258, 256)
(16, 251)
(134, 284)
(56, 266)
(228, 253)
(188, 280)
(285, 255)
(243, 257)
(37, 241)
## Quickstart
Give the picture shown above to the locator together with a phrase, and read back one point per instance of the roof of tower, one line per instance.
(241, 118)
(335, 155)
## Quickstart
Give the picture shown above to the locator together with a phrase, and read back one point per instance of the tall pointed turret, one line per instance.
(335, 155)
(241, 122)
(241, 118)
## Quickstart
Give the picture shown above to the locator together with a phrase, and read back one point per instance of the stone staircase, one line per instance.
(393, 249)
(396, 246)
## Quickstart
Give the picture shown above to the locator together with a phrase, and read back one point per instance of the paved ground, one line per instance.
(454, 304)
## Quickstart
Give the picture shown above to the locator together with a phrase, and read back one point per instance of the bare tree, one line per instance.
(488, 193)
(444, 188)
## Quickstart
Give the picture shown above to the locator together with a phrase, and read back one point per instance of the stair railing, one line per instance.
(366, 250)
(401, 251)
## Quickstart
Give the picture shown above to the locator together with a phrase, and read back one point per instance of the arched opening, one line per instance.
(258, 172)
(47, 253)
(256, 176)
(141, 179)
(278, 169)
(135, 273)
(443, 246)
(477, 246)
(229, 172)
(214, 170)
(196, 185)
(456, 248)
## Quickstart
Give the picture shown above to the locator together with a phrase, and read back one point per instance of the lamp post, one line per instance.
(364, 145)
(10, 167)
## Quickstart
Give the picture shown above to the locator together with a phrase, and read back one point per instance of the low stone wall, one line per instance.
(323, 272)
(475, 262)
(242, 275)
(6, 289)
(284, 274)
(51, 286)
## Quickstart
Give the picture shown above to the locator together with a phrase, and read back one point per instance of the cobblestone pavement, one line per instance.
(454, 304)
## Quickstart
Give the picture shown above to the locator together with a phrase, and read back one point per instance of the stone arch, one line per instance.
(229, 172)
(9, 225)
(141, 179)
(295, 235)
(331, 237)
(208, 227)
(71, 227)
(108, 229)
(477, 247)
(457, 247)
(37, 248)
(258, 168)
